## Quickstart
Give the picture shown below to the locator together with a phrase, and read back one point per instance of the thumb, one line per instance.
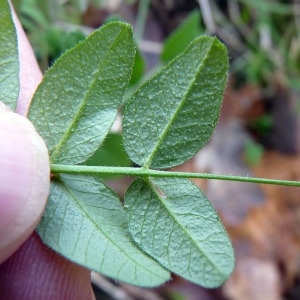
(25, 180)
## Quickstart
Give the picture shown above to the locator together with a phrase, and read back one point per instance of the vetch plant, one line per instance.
(161, 129)
(166, 224)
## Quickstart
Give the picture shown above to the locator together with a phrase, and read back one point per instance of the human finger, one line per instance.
(25, 180)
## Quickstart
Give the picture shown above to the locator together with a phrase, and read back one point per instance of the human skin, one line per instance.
(30, 269)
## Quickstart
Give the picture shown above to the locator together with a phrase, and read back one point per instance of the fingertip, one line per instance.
(25, 180)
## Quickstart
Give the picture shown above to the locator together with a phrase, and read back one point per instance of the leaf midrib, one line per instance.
(152, 187)
(165, 131)
(82, 106)
(68, 190)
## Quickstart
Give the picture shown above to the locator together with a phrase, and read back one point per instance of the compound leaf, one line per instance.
(172, 221)
(174, 113)
(9, 58)
(85, 222)
(77, 102)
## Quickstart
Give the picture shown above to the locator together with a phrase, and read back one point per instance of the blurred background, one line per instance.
(257, 134)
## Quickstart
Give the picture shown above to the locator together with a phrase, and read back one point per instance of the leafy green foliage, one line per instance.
(263, 124)
(168, 225)
(52, 27)
(253, 152)
(171, 220)
(80, 5)
(77, 102)
(174, 113)
(183, 99)
(111, 153)
(59, 41)
(9, 58)
(266, 7)
(182, 36)
(138, 69)
(139, 63)
(85, 222)
(261, 37)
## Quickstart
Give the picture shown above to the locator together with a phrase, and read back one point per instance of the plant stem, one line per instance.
(144, 172)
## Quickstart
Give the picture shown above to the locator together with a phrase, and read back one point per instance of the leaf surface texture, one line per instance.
(77, 102)
(9, 58)
(172, 115)
(85, 222)
(172, 221)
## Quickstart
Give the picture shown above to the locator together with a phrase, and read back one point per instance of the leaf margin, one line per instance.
(145, 160)
(43, 226)
(148, 208)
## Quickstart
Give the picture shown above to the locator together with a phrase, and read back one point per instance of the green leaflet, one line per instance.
(172, 115)
(138, 69)
(172, 221)
(182, 36)
(111, 153)
(85, 222)
(9, 58)
(77, 102)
